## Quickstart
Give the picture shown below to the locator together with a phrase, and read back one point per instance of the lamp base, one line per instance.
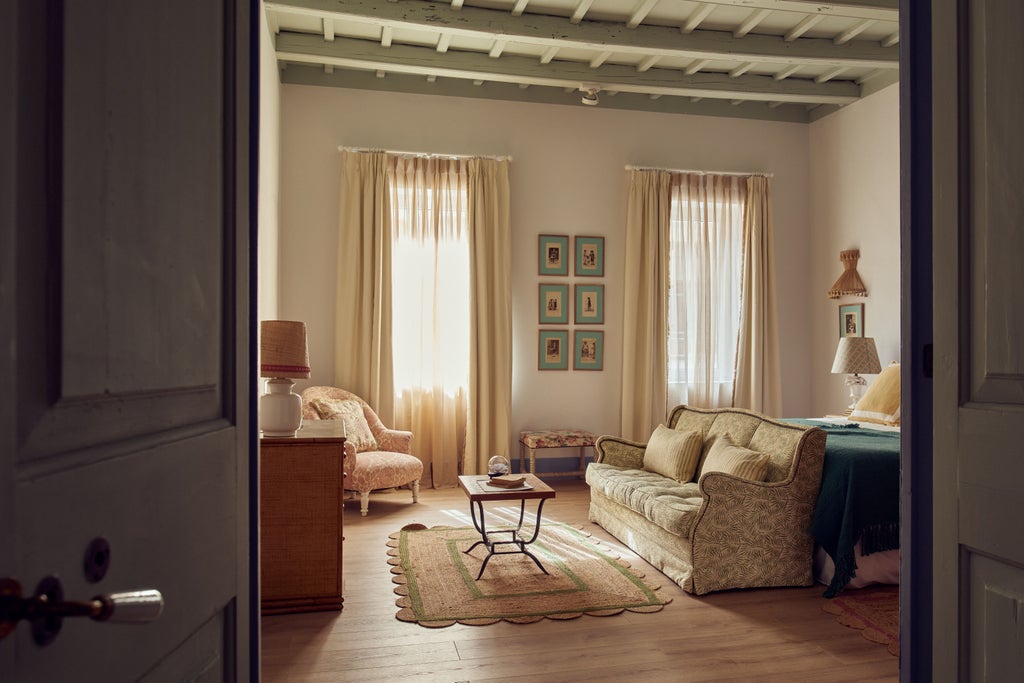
(280, 409)
(856, 384)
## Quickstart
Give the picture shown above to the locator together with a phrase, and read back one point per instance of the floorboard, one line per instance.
(764, 635)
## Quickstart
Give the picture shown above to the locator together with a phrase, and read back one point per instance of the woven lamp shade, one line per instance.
(849, 282)
(856, 355)
(283, 349)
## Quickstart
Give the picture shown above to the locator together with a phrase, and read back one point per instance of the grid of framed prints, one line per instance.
(585, 347)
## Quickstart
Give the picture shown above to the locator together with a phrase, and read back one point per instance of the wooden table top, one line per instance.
(475, 487)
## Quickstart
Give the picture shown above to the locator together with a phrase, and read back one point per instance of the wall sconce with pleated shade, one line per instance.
(849, 282)
(283, 357)
(856, 355)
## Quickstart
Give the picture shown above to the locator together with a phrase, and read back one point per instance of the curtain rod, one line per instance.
(426, 155)
(681, 170)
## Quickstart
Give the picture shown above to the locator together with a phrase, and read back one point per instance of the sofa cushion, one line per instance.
(673, 454)
(726, 456)
(670, 504)
(357, 429)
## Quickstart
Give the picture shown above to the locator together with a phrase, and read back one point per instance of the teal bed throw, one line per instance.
(859, 498)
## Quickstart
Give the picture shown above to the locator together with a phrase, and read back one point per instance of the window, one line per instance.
(705, 272)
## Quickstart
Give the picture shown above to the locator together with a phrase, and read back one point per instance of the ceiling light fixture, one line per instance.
(590, 94)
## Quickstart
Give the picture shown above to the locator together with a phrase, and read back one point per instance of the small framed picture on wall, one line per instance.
(851, 320)
(553, 304)
(589, 256)
(553, 350)
(589, 308)
(589, 350)
(553, 257)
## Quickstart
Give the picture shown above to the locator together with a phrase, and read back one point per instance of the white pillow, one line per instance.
(673, 454)
(357, 429)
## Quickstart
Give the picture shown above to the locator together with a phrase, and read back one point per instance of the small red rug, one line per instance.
(874, 610)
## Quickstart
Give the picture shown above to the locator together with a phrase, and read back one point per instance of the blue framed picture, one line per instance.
(589, 256)
(553, 350)
(553, 257)
(589, 350)
(589, 308)
(554, 304)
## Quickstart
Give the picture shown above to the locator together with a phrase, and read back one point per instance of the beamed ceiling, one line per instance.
(788, 60)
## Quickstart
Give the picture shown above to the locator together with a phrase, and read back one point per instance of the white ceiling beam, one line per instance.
(751, 22)
(457, 4)
(641, 13)
(547, 31)
(274, 22)
(741, 69)
(328, 68)
(787, 72)
(548, 55)
(882, 10)
(386, 33)
(647, 63)
(736, 103)
(524, 86)
(829, 75)
(381, 74)
(432, 78)
(369, 56)
(600, 59)
(519, 7)
(696, 66)
(654, 96)
(695, 19)
(478, 82)
(852, 32)
(773, 105)
(443, 42)
(497, 48)
(581, 11)
(328, 29)
(805, 25)
(891, 40)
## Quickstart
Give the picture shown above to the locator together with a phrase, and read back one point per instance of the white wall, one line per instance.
(567, 177)
(269, 180)
(855, 204)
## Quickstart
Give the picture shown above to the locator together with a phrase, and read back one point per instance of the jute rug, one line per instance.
(873, 610)
(438, 587)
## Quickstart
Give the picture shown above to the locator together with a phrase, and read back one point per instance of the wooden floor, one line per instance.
(756, 635)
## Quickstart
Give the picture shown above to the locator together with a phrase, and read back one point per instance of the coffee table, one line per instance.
(476, 488)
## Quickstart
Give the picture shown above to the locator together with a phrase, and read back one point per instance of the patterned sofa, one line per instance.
(722, 531)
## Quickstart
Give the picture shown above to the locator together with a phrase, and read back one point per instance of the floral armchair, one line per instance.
(376, 457)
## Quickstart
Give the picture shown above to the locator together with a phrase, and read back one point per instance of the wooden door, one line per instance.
(979, 340)
(124, 324)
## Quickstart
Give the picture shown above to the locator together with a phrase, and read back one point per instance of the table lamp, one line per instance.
(283, 356)
(856, 355)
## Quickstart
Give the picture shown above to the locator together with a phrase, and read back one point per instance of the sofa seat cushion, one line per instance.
(670, 504)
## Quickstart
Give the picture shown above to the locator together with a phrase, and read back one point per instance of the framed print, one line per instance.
(851, 320)
(589, 308)
(589, 256)
(553, 305)
(553, 257)
(553, 350)
(589, 350)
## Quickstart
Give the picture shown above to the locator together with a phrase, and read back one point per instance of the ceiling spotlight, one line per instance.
(590, 94)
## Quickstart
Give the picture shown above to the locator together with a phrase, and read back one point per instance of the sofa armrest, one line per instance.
(751, 534)
(394, 441)
(613, 450)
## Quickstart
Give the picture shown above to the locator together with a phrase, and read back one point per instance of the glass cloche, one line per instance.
(497, 466)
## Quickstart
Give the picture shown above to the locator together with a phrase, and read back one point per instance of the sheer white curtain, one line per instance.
(705, 267)
(424, 314)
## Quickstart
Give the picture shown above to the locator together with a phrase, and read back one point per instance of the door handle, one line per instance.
(47, 608)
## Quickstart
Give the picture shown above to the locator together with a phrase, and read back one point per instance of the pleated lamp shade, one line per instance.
(283, 356)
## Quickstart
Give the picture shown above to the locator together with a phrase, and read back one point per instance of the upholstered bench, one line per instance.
(530, 441)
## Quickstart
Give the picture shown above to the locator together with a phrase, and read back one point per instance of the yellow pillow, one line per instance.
(881, 402)
(357, 429)
(673, 454)
(725, 456)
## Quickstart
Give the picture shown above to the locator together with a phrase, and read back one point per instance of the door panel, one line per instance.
(979, 369)
(128, 326)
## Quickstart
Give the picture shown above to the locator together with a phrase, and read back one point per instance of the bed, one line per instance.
(856, 526)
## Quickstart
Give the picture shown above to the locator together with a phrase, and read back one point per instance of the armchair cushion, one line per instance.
(672, 453)
(357, 429)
